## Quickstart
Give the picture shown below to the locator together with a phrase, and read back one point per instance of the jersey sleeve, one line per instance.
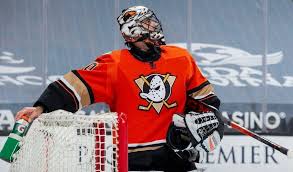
(80, 87)
(199, 89)
(198, 86)
(195, 79)
(94, 82)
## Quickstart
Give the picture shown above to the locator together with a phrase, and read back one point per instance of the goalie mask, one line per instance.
(139, 23)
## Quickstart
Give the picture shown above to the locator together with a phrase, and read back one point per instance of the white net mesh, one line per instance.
(61, 141)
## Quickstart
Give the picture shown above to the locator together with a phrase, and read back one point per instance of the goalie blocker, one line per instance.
(192, 134)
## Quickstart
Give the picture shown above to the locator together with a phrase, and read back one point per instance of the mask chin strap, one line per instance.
(153, 54)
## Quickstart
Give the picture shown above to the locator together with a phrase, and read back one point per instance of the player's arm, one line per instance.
(75, 89)
(199, 89)
(200, 98)
(199, 129)
(68, 93)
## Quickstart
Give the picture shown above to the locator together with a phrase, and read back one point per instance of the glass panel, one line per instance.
(78, 32)
(228, 45)
(279, 66)
(20, 51)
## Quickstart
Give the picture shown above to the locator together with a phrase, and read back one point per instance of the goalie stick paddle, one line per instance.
(247, 132)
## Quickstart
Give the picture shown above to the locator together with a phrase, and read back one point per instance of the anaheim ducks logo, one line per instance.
(156, 90)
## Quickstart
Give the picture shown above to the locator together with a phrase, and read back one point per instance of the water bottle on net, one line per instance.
(11, 145)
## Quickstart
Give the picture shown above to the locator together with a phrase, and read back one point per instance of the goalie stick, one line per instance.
(247, 132)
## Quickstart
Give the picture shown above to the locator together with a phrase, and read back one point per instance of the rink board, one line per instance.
(239, 153)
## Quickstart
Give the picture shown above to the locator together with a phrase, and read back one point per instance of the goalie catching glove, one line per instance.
(194, 133)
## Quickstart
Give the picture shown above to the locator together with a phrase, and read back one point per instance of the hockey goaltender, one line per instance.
(158, 86)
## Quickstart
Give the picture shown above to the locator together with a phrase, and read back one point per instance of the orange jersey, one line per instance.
(148, 93)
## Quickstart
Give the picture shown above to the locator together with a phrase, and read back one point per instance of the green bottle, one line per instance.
(11, 145)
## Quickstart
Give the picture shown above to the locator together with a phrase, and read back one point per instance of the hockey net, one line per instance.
(64, 142)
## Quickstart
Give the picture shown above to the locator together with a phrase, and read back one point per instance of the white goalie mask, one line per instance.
(138, 23)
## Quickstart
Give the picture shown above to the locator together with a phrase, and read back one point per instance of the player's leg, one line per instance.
(162, 159)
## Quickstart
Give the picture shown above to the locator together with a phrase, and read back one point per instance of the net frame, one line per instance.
(62, 141)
